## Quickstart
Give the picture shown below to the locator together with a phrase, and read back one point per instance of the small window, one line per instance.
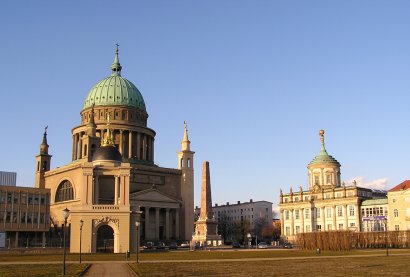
(64, 192)
(396, 213)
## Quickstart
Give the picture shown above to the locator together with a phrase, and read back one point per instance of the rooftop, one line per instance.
(370, 202)
(402, 186)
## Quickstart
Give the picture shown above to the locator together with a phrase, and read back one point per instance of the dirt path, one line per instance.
(109, 270)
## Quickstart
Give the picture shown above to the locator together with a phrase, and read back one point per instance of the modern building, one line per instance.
(399, 207)
(8, 178)
(24, 216)
(113, 176)
(374, 215)
(327, 204)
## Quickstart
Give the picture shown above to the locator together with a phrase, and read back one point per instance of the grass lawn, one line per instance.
(350, 266)
(34, 270)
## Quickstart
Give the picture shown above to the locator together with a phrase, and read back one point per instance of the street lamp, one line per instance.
(66, 213)
(81, 232)
(137, 224)
(386, 236)
(249, 236)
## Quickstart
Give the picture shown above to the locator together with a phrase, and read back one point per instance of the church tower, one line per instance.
(324, 170)
(42, 162)
(90, 141)
(186, 165)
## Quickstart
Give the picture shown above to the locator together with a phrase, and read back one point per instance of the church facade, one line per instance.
(112, 183)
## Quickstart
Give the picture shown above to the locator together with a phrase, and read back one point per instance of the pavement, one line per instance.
(110, 270)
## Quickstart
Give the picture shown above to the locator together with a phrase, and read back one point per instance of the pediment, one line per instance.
(152, 195)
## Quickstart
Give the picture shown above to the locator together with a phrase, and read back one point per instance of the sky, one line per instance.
(255, 80)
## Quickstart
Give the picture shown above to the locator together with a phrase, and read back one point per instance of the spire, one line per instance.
(322, 140)
(108, 138)
(185, 140)
(91, 127)
(116, 66)
(44, 145)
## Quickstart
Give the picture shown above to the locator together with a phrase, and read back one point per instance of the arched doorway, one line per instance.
(105, 239)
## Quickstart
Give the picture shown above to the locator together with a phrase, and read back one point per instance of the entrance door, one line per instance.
(105, 239)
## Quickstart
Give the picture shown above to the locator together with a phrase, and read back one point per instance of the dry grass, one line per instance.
(349, 266)
(37, 270)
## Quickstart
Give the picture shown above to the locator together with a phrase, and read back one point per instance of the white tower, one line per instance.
(186, 165)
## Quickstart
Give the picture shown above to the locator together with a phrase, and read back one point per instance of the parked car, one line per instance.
(185, 244)
(173, 245)
(148, 245)
(287, 245)
(236, 245)
(262, 245)
(160, 245)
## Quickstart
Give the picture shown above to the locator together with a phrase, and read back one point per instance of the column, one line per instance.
(167, 223)
(302, 216)
(138, 146)
(312, 219)
(130, 144)
(16, 242)
(44, 240)
(292, 223)
(282, 225)
(80, 147)
(152, 150)
(144, 147)
(116, 190)
(121, 147)
(73, 149)
(149, 142)
(346, 227)
(146, 210)
(357, 214)
(156, 223)
(176, 223)
(75, 146)
(322, 211)
(96, 190)
(121, 201)
(334, 217)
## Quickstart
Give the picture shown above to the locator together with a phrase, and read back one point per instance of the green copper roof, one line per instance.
(323, 156)
(115, 90)
(370, 202)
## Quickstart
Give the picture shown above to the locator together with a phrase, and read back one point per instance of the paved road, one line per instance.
(110, 270)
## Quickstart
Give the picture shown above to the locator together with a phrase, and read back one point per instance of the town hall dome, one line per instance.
(115, 90)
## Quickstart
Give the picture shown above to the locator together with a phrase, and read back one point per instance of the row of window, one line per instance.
(23, 198)
(22, 217)
(317, 213)
(374, 211)
(314, 197)
(236, 211)
(318, 228)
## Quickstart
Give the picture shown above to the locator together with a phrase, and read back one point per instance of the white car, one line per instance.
(185, 244)
(262, 245)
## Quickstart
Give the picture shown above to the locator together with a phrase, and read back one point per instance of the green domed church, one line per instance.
(112, 185)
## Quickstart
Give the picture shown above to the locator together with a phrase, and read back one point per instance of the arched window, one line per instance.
(182, 162)
(396, 213)
(64, 192)
(189, 162)
(85, 150)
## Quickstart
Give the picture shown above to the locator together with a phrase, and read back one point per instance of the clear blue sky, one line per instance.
(255, 80)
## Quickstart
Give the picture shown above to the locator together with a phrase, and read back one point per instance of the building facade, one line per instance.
(327, 204)
(113, 177)
(24, 216)
(374, 215)
(399, 207)
(8, 178)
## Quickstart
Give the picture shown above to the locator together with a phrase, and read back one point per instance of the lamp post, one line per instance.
(81, 232)
(249, 236)
(137, 224)
(66, 213)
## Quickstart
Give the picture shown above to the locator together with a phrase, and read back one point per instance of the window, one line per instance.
(328, 179)
(316, 179)
(352, 224)
(296, 214)
(306, 198)
(286, 215)
(350, 194)
(307, 228)
(307, 213)
(339, 211)
(396, 213)
(319, 228)
(287, 232)
(340, 226)
(351, 210)
(396, 227)
(286, 200)
(64, 192)
(317, 212)
(329, 227)
(297, 229)
(296, 199)
(338, 195)
(328, 212)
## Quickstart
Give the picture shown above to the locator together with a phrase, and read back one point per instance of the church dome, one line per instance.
(107, 153)
(115, 90)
